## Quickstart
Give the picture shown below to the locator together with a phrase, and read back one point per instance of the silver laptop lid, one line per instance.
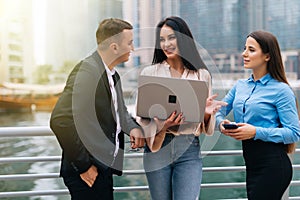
(160, 96)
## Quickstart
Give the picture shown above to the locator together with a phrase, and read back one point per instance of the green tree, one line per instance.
(67, 67)
(42, 74)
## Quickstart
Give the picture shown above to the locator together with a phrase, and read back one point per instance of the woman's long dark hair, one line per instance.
(269, 45)
(185, 42)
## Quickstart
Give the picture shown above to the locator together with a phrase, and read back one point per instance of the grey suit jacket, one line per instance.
(83, 119)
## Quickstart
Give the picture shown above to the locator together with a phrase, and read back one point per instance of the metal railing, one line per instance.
(46, 131)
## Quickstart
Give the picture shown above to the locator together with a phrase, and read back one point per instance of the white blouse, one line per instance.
(163, 70)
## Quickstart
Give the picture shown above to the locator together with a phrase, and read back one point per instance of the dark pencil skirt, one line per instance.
(268, 169)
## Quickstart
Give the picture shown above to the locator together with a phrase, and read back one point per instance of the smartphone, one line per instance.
(230, 126)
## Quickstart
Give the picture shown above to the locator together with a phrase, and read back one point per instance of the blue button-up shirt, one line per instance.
(267, 104)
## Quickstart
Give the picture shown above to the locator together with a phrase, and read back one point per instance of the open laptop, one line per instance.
(160, 96)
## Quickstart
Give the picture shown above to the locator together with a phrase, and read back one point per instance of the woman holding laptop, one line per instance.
(172, 157)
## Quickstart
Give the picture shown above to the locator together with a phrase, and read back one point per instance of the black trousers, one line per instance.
(102, 188)
(268, 169)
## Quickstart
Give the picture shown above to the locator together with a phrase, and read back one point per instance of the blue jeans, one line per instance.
(175, 171)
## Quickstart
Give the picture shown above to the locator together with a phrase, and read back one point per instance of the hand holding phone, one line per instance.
(230, 126)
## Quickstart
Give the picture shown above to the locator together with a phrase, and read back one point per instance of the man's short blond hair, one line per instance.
(109, 31)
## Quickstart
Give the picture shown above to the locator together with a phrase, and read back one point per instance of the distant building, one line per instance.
(220, 26)
(71, 28)
(16, 43)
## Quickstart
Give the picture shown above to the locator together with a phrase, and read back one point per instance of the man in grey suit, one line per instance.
(90, 118)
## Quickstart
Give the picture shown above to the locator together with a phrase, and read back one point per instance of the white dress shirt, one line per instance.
(110, 73)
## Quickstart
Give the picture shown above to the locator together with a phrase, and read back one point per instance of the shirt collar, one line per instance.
(108, 71)
(167, 66)
(266, 78)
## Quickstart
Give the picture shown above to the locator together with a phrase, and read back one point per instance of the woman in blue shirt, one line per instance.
(265, 110)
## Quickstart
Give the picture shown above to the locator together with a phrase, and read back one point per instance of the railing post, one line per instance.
(46, 131)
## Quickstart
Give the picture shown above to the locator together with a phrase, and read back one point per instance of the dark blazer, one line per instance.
(83, 119)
